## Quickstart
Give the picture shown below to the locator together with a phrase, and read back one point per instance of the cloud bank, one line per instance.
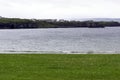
(66, 9)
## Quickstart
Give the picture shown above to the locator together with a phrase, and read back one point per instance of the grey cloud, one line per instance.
(58, 8)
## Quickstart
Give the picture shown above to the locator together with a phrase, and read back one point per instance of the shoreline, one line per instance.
(58, 52)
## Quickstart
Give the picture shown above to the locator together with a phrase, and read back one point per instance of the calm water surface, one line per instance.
(61, 40)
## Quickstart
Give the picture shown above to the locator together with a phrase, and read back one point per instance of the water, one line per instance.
(72, 40)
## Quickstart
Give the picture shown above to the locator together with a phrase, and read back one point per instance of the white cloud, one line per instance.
(60, 8)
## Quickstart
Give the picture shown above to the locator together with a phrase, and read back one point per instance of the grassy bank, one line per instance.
(59, 67)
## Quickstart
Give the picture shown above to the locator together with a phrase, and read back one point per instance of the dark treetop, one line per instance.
(17, 23)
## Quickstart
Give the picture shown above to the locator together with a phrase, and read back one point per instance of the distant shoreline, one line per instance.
(17, 23)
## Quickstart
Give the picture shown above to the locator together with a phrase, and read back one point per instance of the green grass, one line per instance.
(59, 67)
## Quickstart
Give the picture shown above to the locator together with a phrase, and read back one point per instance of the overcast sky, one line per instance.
(67, 9)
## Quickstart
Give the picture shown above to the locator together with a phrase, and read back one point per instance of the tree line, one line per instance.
(17, 23)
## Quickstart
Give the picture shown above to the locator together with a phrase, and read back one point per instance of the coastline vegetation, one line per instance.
(59, 67)
(17, 23)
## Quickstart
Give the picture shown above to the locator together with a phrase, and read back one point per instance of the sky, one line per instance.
(60, 9)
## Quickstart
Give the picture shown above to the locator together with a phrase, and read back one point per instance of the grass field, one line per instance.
(59, 67)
